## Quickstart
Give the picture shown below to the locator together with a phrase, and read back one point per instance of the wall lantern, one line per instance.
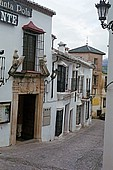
(2, 67)
(102, 9)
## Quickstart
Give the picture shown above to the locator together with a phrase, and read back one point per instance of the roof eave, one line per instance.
(38, 7)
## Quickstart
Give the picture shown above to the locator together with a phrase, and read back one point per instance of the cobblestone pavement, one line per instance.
(81, 150)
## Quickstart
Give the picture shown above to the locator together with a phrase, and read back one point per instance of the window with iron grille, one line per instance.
(104, 102)
(80, 84)
(66, 82)
(88, 87)
(95, 61)
(33, 48)
(95, 80)
(74, 81)
(61, 79)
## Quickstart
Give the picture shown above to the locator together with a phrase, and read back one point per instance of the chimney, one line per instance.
(61, 47)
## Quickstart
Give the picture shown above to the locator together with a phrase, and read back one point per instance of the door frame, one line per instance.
(27, 83)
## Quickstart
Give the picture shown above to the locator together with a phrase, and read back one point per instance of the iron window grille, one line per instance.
(95, 80)
(80, 84)
(61, 79)
(74, 81)
(88, 87)
(33, 48)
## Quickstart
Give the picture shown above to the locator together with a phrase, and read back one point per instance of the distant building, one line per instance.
(94, 56)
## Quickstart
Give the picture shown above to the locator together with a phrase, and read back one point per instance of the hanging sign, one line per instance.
(16, 7)
(8, 17)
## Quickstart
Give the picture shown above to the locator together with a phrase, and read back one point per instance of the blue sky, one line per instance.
(75, 20)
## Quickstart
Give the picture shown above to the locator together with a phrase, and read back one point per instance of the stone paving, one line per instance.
(81, 150)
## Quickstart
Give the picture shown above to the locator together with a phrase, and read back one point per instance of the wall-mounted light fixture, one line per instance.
(102, 9)
(78, 65)
(2, 68)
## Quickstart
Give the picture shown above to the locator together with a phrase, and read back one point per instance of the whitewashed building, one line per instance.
(25, 30)
(67, 102)
(43, 94)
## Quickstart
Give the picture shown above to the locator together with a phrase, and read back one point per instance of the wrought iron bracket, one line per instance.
(109, 26)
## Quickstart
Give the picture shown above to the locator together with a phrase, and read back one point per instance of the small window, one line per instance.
(95, 80)
(74, 81)
(61, 79)
(80, 84)
(88, 87)
(104, 102)
(95, 61)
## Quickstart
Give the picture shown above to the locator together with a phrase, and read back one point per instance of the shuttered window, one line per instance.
(33, 48)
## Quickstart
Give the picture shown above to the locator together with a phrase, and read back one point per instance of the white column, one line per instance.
(108, 137)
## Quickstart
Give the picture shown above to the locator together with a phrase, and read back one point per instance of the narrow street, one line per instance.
(81, 150)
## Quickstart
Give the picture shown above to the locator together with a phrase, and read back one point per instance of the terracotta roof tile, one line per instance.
(37, 7)
(31, 27)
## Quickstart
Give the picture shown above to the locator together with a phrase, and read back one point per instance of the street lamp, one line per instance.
(102, 9)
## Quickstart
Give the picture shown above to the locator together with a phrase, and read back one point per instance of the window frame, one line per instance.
(38, 50)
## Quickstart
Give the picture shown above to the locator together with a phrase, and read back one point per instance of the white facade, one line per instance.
(66, 104)
(11, 39)
(63, 99)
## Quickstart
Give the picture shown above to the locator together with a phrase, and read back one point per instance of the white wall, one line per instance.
(11, 39)
(4, 134)
(48, 132)
(108, 138)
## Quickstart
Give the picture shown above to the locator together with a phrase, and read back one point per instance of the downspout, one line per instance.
(52, 79)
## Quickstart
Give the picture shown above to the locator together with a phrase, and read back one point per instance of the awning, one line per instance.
(31, 27)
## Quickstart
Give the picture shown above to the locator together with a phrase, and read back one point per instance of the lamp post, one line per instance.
(103, 8)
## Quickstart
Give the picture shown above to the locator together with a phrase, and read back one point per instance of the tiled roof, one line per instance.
(31, 27)
(37, 7)
(86, 49)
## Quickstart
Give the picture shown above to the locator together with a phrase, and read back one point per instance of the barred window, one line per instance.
(80, 84)
(33, 47)
(61, 79)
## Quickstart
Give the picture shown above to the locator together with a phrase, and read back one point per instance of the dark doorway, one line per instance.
(59, 120)
(26, 114)
(66, 122)
(99, 112)
(70, 120)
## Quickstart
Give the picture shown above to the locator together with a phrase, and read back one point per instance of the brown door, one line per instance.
(28, 113)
